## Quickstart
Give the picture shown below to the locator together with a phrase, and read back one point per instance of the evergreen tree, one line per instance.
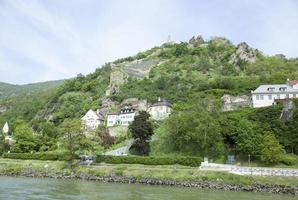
(142, 130)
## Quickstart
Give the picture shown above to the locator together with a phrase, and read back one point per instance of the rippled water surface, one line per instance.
(28, 188)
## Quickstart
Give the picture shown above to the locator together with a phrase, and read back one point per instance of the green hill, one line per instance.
(194, 76)
(22, 102)
(8, 90)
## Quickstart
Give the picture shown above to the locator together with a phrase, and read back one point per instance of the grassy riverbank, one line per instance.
(164, 172)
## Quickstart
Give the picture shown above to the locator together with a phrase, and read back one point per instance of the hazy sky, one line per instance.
(55, 39)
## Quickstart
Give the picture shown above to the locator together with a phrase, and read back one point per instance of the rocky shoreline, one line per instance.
(264, 188)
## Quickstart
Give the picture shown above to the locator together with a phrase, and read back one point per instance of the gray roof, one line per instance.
(162, 103)
(264, 89)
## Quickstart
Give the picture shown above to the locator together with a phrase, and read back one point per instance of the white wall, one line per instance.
(91, 123)
(263, 100)
(111, 120)
(126, 118)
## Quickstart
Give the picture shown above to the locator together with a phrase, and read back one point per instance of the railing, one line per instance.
(256, 171)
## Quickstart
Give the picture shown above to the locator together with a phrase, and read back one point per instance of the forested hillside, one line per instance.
(22, 102)
(194, 76)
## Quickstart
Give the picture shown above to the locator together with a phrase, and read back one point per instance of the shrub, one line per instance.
(187, 161)
(37, 156)
(271, 151)
(289, 159)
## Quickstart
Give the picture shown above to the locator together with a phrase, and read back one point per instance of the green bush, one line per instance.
(289, 160)
(37, 156)
(187, 161)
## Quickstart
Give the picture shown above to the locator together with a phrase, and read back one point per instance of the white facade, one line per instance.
(265, 95)
(124, 118)
(112, 120)
(91, 120)
(160, 110)
(5, 128)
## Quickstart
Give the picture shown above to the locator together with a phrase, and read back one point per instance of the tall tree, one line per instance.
(73, 138)
(142, 130)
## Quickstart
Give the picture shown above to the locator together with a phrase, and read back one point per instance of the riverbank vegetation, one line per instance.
(57, 169)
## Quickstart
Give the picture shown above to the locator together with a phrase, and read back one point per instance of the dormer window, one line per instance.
(282, 89)
(270, 89)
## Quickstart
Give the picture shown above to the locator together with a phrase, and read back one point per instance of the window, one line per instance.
(294, 95)
(257, 97)
(270, 89)
(282, 89)
(262, 97)
(278, 96)
(270, 97)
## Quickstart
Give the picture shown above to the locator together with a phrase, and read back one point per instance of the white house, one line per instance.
(124, 117)
(92, 119)
(265, 95)
(160, 110)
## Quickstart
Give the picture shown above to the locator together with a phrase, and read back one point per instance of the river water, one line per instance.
(48, 189)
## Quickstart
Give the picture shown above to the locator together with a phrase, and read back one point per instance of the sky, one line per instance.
(43, 40)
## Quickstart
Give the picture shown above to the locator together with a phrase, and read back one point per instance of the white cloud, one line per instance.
(59, 39)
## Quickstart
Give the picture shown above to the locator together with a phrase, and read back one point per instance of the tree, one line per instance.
(105, 139)
(25, 141)
(248, 139)
(141, 130)
(271, 150)
(48, 134)
(194, 133)
(2, 143)
(73, 138)
(193, 129)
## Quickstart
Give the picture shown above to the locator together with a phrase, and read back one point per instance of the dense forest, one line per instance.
(194, 76)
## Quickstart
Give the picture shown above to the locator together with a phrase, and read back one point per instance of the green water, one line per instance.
(49, 189)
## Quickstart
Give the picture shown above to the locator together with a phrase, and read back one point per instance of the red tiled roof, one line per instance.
(292, 82)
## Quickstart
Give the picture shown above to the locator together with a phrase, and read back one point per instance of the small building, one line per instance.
(266, 95)
(92, 119)
(160, 110)
(123, 118)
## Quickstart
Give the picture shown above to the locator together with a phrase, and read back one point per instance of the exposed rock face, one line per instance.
(234, 102)
(288, 109)
(138, 104)
(244, 53)
(220, 40)
(106, 105)
(3, 109)
(196, 40)
(137, 69)
(281, 56)
(117, 78)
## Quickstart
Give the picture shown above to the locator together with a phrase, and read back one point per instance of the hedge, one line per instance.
(187, 161)
(37, 156)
